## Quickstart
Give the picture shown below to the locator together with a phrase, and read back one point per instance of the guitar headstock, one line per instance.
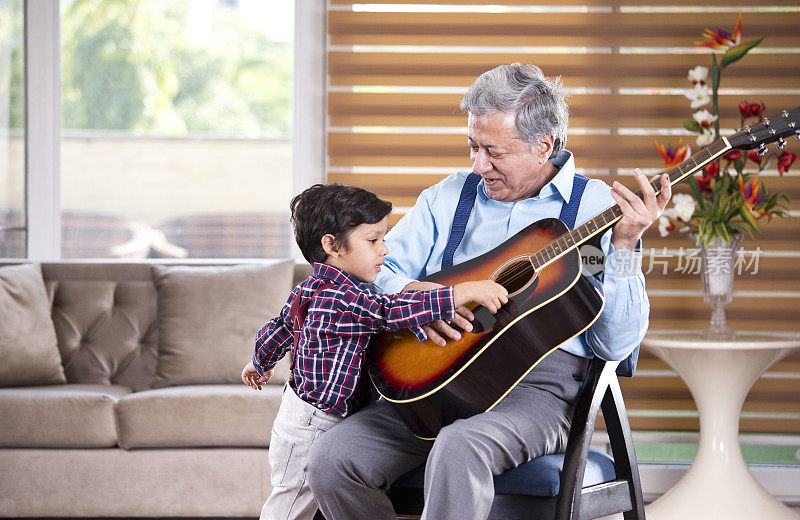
(785, 124)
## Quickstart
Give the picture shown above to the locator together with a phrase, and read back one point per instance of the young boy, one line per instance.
(340, 231)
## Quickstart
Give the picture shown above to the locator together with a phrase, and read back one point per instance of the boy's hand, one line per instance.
(439, 330)
(251, 378)
(488, 293)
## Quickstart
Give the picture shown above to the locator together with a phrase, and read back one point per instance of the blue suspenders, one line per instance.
(465, 204)
(569, 213)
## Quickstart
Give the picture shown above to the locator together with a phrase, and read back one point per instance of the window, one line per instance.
(176, 124)
(12, 131)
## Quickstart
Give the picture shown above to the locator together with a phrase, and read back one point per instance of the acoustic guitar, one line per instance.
(550, 302)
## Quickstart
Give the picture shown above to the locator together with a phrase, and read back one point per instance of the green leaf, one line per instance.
(725, 234)
(736, 53)
(693, 126)
(696, 191)
(738, 165)
(714, 92)
(748, 216)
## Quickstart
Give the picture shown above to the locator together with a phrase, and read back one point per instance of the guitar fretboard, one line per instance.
(606, 219)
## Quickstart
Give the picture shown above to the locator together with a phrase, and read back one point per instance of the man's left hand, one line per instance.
(637, 214)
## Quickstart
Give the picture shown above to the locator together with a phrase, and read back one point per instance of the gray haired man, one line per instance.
(517, 132)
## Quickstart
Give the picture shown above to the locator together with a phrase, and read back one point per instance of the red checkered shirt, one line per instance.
(339, 324)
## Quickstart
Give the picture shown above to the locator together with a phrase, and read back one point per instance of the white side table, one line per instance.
(719, 374)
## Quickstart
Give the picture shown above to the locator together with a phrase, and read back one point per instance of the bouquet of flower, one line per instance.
(728, 199)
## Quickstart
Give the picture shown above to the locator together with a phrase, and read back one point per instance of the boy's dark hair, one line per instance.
(332, 209)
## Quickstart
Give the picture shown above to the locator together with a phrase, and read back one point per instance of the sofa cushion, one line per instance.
(60, 416)
(198, 416)
(28, 344)
(209, 317)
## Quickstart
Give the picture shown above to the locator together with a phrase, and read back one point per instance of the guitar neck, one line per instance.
(609, 217)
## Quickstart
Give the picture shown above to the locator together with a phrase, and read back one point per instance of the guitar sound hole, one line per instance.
(515, 276)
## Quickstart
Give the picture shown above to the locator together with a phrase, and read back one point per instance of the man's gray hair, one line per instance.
(540, 103)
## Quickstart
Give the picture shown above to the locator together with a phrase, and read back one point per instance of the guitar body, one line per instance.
(432, 386)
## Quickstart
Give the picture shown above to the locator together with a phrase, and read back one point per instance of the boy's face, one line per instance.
(362, 254)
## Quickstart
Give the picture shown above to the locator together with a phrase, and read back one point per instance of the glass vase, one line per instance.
(718, 259)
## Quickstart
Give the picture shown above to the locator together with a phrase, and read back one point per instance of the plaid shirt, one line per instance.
(339, 324)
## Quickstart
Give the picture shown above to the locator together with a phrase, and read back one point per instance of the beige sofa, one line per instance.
(120, 393)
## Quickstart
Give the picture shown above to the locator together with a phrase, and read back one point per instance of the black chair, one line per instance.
(591, 483)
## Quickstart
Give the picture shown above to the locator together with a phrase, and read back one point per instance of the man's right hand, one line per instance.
(441, 329)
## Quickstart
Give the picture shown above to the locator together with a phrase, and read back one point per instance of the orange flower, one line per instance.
(723, 40)
(673, 157)
(752, 199)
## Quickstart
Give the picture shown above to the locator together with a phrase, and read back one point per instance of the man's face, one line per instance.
(511, 171)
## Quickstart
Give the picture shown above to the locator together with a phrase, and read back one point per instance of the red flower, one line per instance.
(753, 156)
(704, 182)
(712, 170)
(751, 109)
(786, 159)
(735, 155)
(744, 109)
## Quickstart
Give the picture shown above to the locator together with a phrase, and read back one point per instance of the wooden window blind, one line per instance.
(396, 73)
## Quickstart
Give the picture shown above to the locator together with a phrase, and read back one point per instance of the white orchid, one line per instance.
(698, 75)
(705, 138)
(684, 205)
(699, 95)
(705, 118)
(665, 226)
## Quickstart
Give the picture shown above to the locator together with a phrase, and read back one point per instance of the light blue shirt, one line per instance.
(416, 245)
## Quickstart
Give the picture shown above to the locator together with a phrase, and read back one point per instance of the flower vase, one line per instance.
(718, 259)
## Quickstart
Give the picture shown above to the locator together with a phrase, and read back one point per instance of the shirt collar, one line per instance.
(561, 183)
(335, 275)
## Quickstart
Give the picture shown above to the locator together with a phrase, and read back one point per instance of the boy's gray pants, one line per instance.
(296, 428)
(352, 466)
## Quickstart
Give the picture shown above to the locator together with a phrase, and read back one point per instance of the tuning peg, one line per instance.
(781, 143)
(762, 149)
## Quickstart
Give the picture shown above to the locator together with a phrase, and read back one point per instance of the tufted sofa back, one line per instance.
(105, 316)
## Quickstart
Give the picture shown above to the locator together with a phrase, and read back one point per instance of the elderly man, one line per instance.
(517, 129)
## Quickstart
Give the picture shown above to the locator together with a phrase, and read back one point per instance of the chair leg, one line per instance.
(621, 440)
(580, 435)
